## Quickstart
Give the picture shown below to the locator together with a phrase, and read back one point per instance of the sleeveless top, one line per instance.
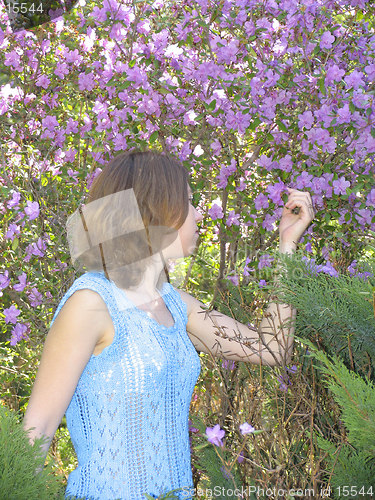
(128, 417)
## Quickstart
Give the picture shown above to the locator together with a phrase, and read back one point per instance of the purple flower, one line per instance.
(234, 279)
(286, 163)
(226, 473)
(284, 383)
(334, 74)
(22, 279)
(344, 115)
(12, 230)
(303, 180)
(240, 458)
(262, 283)
(327, 40)
(261, 201)
(215, 212)
(233, 219)
(43, 81)
(340, 185)
(292, 369)
(15, 200)
(191, 428)
(86, 82)
(4, 281)
(228, 364)
(246, 429)
(35, 297)
(18, 333)
(265, 162)
(32, 210)
(354, 79)
(352, 267)
(61, 70)
(215, 435)
(275, 191)
(11, 314)
(306, 120)
(329, 269)
(370, 200)
(265, 261)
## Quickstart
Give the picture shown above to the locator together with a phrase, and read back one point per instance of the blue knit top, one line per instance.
(128, 418)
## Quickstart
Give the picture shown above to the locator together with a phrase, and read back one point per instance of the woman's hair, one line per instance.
(118, 233)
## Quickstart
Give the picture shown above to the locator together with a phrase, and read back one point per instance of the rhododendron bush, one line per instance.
(252, 96)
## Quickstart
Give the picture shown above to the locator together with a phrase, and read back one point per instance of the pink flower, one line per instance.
(246, 429)
(215, 435)
(32, 210)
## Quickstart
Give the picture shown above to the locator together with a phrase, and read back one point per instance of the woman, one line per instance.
(120, 357)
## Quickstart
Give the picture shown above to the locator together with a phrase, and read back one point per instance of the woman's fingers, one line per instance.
(302, 200)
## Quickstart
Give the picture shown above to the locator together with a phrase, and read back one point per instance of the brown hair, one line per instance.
(160, 185)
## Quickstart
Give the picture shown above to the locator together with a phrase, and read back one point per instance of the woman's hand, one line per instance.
(292, 226)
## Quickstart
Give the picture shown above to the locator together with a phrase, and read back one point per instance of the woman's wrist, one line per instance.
(287, 247)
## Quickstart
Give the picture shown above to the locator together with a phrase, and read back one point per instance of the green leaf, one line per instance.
(253, 125)
(322, 86)
(281, 126)
(124, 85)
(212, 105)
(153, 136)
(15, 244)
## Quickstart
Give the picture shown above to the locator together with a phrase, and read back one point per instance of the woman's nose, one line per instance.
(198, 216)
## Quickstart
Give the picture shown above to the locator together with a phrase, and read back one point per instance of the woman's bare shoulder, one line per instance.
(191, 302)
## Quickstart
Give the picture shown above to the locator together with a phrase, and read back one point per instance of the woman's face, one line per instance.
(188, 233)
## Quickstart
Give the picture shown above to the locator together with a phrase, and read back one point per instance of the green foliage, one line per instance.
(351, 462)
(19, 463)
(348, 466)
(335, 312)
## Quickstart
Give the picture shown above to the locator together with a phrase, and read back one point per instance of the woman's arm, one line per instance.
(222, 336)
(77, 329)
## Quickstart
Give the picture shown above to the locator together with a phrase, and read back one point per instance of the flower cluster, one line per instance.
(275, 94)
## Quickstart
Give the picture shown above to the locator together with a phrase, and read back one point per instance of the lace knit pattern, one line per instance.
(128, 418)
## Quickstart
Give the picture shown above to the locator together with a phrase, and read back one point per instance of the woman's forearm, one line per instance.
(279, 340)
